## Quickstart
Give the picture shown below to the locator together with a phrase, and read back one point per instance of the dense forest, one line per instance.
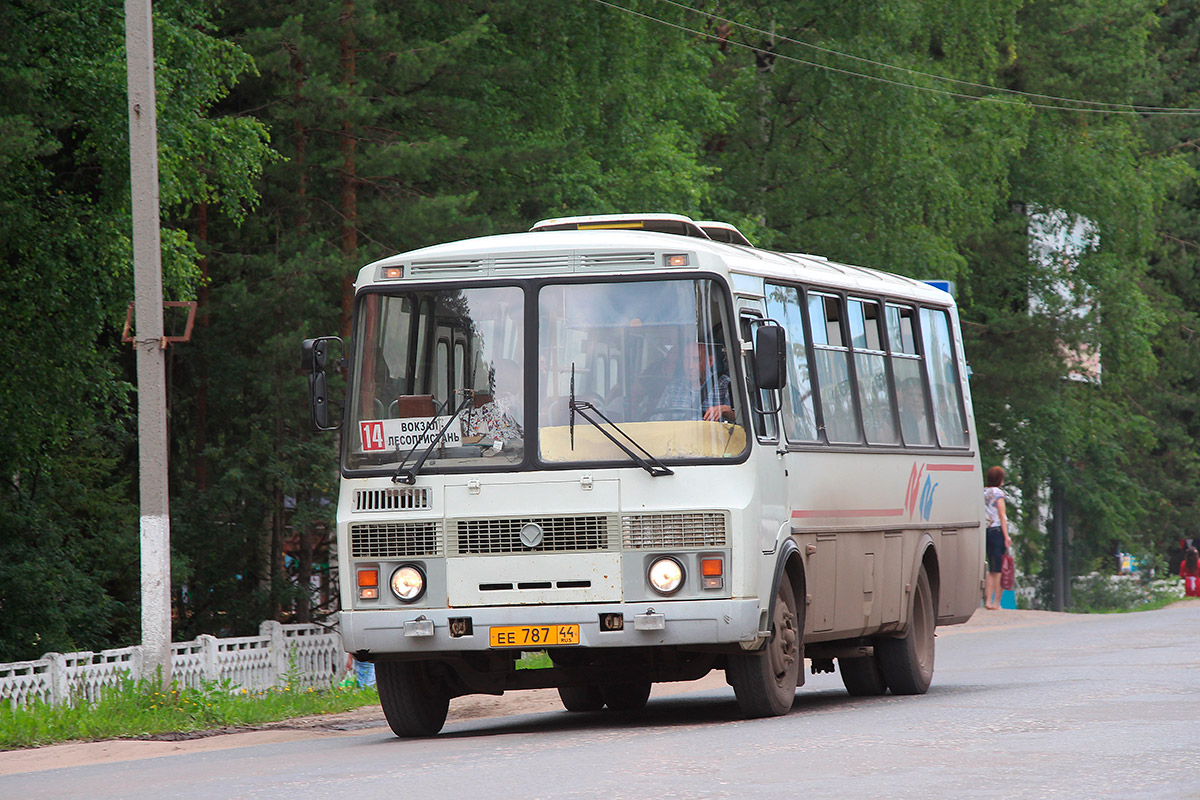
(301, 139)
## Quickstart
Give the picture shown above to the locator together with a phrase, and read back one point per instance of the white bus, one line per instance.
(649, 454)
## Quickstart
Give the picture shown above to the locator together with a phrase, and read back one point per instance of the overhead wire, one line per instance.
(1085, 106)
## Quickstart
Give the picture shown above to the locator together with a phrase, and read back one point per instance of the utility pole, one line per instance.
(155, 526)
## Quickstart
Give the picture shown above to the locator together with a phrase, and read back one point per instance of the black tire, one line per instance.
(626, 696)
(862, 676)
(907, 662)
(413, 703)
(581, 698)
(765, 681)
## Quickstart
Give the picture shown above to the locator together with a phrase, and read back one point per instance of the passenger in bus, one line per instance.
(698, 391)
(913, 420)
(998, 541)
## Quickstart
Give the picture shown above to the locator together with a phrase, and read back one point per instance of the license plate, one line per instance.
(534, 635)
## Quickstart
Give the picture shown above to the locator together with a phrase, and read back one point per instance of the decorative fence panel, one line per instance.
(300, 656)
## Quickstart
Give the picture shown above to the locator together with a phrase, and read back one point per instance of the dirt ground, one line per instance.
(352, 723)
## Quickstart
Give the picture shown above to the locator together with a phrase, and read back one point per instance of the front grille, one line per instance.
(411, 498)
(394, 539)
(656, 531)
(559, 534)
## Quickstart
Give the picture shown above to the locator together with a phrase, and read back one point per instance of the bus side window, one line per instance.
(874, 394)
(833, 369)
(943, 377)
(906, 370)
(799, 419)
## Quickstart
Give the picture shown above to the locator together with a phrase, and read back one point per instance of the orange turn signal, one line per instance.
(368, 584)
(712, 573)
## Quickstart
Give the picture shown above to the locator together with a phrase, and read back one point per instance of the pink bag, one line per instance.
(1008, 572)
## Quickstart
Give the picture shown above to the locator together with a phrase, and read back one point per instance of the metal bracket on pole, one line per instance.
(128, 336)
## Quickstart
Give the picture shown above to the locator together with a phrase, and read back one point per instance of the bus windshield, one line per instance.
(653, 356)
(420, 357)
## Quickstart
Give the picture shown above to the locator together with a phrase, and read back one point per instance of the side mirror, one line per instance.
(770, 356)
(314, 355)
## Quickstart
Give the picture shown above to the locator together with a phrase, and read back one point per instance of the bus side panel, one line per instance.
(860, 520)
(962, 564)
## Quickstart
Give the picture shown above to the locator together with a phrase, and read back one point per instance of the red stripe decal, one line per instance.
(950, 467)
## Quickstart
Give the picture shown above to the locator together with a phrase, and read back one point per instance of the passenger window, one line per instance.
(874, 394)
(906, 371)
(900, 330)
(942, 368)
(799, 421)
(833, 370)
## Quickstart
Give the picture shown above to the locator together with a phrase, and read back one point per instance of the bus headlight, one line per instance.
(408, 583)
(665, 575)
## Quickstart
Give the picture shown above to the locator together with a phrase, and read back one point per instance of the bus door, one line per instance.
(774, 514)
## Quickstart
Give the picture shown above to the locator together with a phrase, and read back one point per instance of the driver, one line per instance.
(697, 388)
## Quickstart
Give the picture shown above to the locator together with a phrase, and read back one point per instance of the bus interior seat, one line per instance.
(414, 405)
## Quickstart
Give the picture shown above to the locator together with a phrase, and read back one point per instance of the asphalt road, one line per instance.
(1023, 705)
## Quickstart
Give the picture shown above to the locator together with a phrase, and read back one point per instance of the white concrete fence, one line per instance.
(309, 655)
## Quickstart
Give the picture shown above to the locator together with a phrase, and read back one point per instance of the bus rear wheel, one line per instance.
(765, 681)
(907, 662)
(413, 702)
(862, 676)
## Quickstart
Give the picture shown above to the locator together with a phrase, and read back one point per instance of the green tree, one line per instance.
(399, 128)
(1027, 320)
(69, 524)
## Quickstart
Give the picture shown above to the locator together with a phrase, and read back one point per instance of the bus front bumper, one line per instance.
(660, 624)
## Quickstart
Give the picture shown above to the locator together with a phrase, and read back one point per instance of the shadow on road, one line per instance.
(678, 711)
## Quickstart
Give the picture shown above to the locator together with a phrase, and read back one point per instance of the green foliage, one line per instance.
(141, 708)
(300, 141)
(68, 529)
(1101, 592)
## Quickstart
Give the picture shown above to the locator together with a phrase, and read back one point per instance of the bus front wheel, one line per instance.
(907, 662)
(581, 698)
(413, 702)
(765, 681)
(626, 696)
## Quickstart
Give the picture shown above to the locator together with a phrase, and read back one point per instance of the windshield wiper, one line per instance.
(409, 476)
(646, 461)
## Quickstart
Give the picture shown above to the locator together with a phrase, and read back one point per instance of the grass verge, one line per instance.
(141, 708)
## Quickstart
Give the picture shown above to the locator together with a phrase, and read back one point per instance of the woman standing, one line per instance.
(998, 540)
